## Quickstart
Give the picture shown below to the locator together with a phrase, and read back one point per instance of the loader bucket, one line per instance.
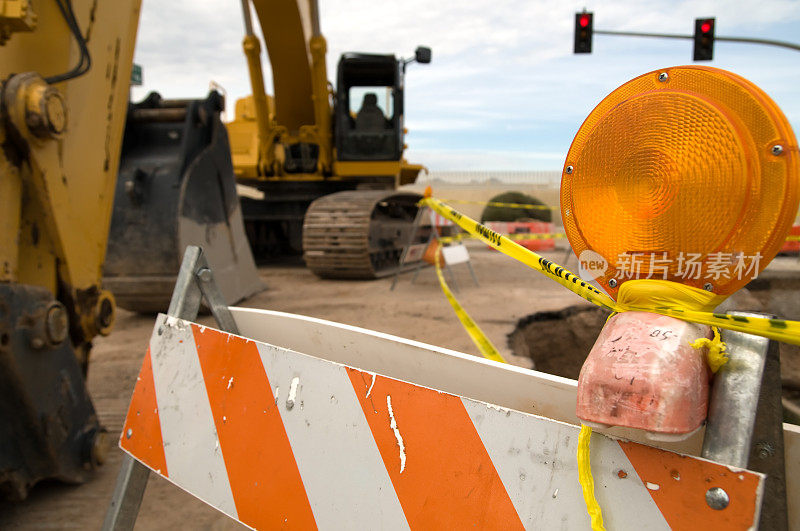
(175, 188)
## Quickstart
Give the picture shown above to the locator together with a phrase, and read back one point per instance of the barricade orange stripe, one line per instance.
(247, 418)
(671, 489)
(141, 433)
(446, 457)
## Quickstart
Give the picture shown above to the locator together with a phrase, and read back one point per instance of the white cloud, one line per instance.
(505, 68)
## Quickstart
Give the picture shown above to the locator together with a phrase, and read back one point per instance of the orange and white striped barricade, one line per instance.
(304, 423)
(792, 244)
(532, 228)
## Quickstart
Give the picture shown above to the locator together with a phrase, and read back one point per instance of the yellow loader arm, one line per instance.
(66, 66)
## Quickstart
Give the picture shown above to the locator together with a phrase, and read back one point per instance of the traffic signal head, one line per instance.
(703, 39)
(583, 32)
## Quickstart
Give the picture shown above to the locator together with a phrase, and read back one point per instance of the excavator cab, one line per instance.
(369, 107)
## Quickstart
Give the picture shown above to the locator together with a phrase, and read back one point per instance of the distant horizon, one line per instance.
(547, 178)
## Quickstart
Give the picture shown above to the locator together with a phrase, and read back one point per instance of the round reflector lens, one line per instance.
(678, 177)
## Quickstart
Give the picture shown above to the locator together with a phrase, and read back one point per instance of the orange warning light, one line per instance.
(688, 174)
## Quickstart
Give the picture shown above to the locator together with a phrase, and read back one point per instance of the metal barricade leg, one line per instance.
(567, 255)
(452, 276)
(472, 272)
(416, 273)
(404, 254)
(745, 420)
(195, 281)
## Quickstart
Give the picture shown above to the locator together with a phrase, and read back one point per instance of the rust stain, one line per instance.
(92, 18)
(110, 106)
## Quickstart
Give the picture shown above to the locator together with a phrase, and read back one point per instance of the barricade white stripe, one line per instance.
(323, 403)
(611, 490)
(539, 471)
(191, 447)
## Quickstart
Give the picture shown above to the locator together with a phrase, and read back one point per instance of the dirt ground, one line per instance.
(508, 291)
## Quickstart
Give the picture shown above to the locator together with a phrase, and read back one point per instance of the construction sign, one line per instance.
(276, 438)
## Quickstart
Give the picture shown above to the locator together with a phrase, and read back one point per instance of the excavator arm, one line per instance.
(300, 112)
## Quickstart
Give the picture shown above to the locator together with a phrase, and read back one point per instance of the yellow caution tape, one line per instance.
(521, 236)
(529, 258)
(777, 329)
(586, 480)
(537, 207)
(478, 337)
(506, 205)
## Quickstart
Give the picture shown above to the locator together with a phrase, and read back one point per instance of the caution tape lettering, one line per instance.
(489, 234)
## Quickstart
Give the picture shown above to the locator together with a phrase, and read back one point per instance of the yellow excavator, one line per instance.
(319, 167)
(75, 155)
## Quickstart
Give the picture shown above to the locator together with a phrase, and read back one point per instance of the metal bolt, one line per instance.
(129, 434)
(663, 77)
(55, 112)
(205, 274)
(717, 499)
(777, 149)
(56, 323)
(708, 286)
(612, 283)
(104, 313)
(46, 110)
(569, 169)
(764, 450)
(99, 447)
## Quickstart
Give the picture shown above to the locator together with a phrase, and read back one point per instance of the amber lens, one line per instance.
(677, 177)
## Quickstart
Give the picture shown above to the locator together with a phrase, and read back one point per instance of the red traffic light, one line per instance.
(583, 32)
(704, 39)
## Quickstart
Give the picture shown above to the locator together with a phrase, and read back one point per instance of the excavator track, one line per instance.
(360, 234)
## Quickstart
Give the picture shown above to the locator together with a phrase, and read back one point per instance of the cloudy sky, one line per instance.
(504, 91)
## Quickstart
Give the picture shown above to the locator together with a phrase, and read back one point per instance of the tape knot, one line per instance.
(716, 356)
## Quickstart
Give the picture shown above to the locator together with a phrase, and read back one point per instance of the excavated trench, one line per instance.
(558, 341)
